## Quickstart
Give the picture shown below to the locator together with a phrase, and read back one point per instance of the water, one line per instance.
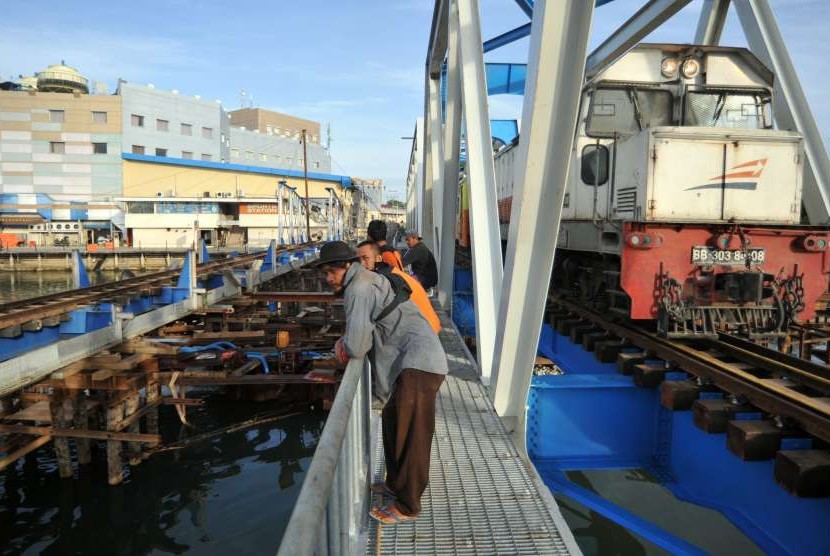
(23, 285)
(229, 494)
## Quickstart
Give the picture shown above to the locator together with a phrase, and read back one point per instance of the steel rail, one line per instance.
(811, 414)
(51, 305)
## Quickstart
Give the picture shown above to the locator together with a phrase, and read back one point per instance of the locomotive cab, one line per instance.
(684, 203)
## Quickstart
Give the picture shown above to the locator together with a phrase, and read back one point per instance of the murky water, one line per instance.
(23, 285)
(232, 493)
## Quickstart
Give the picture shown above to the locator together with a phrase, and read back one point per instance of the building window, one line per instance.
(162, 125)
(140, 207)
(317, 165)
(249, 155)
(289, 160)
(299, 162)
(269, 129)
(161, 152)
(187, 129)
(56, 116)
(207, 156)
(57, 147)
(99, 117)
(207, 132)
(137, 121)
(99, 148)
(263, 157)
(234, 153)
(187, 155)
(138, 149)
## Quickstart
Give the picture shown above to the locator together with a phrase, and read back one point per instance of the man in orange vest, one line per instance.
(376, 233)
(369, 255)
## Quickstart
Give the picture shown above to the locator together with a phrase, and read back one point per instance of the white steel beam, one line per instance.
(437, 39)
(434, 163)
(484, 223)
(712, 20)
(559, 41)
(791, 108)
(626, 37)
(452, 154)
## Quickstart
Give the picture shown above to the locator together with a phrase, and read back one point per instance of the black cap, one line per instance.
(335, 252)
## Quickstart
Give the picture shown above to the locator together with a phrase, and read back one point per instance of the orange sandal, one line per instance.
(389, 515)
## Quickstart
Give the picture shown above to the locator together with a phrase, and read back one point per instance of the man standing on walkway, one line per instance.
(377, 231)
(368, 253)
(420, 258)
(408, 365)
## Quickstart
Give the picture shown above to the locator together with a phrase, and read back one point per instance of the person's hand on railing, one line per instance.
(340, 351)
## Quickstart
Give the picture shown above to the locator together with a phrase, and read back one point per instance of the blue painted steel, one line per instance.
(559, 483)
(592, 417)
(86, 320)
(27, 341)
(270, 261)
(344, 181)
(80, 269)
(204, 255)
(138, 305)
(526, 6)
(506, 38)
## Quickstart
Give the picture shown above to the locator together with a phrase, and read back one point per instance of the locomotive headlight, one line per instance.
(669, 67)
(690, 68)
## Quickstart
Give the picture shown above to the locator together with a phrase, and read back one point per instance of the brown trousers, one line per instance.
(408, 428)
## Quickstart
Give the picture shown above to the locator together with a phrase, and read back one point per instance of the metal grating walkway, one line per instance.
(481, 498)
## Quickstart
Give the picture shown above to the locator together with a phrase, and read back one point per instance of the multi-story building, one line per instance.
(254, 148)
(275, 123)
(168, 124)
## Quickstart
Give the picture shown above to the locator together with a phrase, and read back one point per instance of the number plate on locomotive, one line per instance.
(707, 256)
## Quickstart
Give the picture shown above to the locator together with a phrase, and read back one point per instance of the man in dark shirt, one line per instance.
(420, 258)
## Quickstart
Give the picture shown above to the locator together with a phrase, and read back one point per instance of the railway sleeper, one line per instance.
(564, 326)
(714, 414)
(607, 351)
(626, 360)
(649, 374)
(803, 473)
(759, 440)
(578, 332)
(589, 341)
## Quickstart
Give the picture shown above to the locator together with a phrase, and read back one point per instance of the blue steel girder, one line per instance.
(523, 30)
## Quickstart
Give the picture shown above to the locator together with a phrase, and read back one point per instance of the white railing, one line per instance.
(330, 515)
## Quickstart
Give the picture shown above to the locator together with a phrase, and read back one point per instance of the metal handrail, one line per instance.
(330, 514)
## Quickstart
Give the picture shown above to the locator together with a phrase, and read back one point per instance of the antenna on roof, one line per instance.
(242, 94)
(328, 136)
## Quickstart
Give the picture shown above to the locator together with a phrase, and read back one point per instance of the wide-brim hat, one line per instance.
(335, 252)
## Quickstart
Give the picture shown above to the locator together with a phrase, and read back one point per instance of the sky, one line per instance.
(357, 65)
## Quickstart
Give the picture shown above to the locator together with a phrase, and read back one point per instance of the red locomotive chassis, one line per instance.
(658, 250)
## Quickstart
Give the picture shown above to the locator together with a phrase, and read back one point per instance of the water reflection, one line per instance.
(22, 285)
(232, 493)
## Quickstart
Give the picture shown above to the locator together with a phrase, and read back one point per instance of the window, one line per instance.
(263, 157)
(625, 111)
(187, 155)
(299, 162)
(732, 109)
(137, 121)
(234, 153)
(57, 147)
(269, 130)
(162, 125)
(249, 155)
(56, 116)
(595, 164)
(138, 149)
(207, 132)
(207, 156)
(99, 148)
(99, 117)
(140, 207)
(316, 164)
(161, 152)
(187, 129)
(289, 160)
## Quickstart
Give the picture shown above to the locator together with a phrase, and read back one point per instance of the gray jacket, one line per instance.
(402, 340)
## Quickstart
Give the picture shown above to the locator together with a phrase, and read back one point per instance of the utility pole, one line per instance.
(305, 177)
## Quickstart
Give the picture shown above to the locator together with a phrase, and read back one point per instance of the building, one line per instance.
(273, 123)
(394, 214)
(69, 146)
(373, 189)
(232, 205)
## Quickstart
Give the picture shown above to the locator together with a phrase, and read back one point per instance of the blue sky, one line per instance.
(357, 64)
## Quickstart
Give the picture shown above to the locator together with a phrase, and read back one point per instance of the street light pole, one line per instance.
(305, 177)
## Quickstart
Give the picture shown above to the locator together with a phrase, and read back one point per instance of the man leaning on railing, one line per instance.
(408, 366)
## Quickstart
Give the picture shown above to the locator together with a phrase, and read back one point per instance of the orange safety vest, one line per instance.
(420, 298)
(390, 256)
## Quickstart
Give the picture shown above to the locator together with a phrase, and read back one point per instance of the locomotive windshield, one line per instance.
(624, 111)
(732, 109)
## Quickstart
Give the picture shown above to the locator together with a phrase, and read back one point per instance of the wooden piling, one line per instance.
(133, 448)
(59, 421)
(115, 414)
(80, 419)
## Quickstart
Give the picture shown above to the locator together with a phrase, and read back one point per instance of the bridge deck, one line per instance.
(482, 499)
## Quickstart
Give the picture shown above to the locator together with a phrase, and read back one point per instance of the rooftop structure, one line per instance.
(275, 123)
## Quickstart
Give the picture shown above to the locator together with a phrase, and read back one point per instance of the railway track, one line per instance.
(795, 391)
(52, 306)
